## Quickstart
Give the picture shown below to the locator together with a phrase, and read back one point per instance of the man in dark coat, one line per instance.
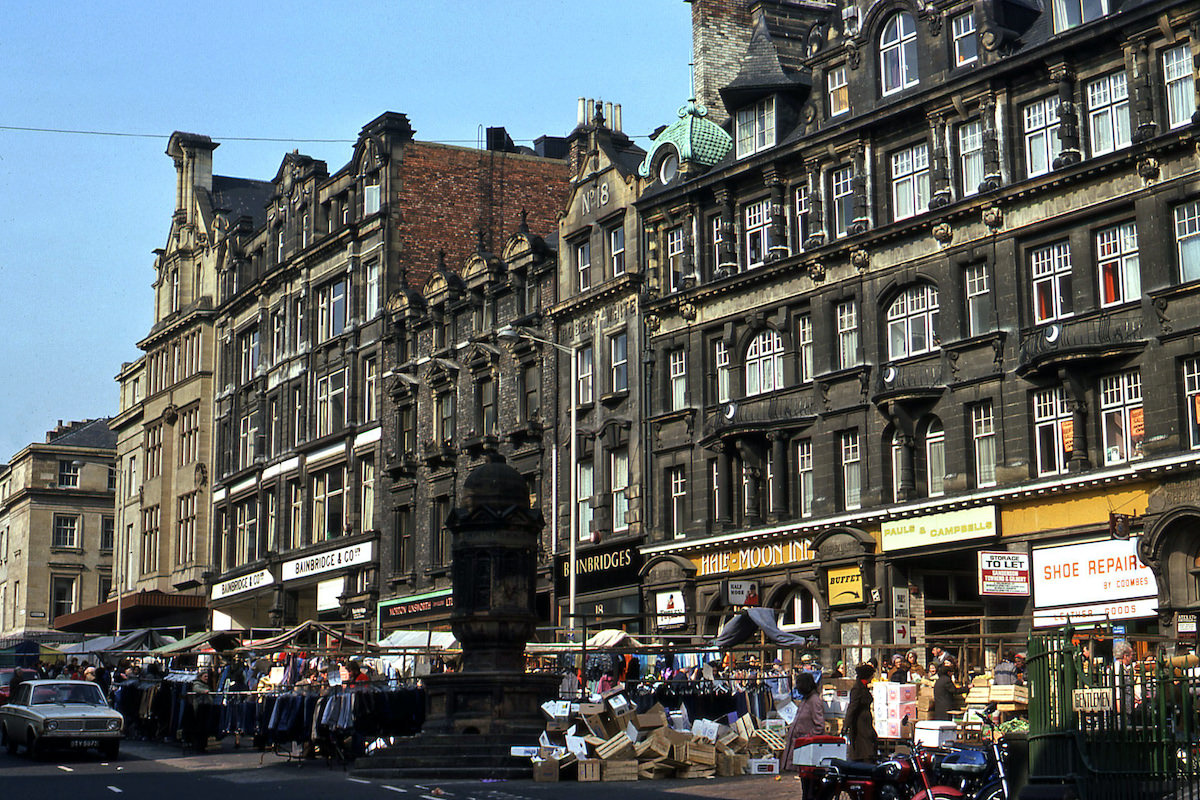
(859, 725)
(946, 695)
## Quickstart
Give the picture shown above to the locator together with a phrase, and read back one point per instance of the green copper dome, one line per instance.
(699, 142)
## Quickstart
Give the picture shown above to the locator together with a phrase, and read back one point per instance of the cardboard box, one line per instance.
(589, 769)
(899, 711)
(815, 749)
(655, 717)
(762, 766)
(545, 771)
(887, 728)
(901, 693)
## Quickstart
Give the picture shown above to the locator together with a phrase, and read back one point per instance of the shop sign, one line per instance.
(324, 562)
(845, 586)
(1091, 582)
(670, 608)
(761, 556)
(1095, 612)
(1003, 574)
(243, 583)
(329, 594)
(1185, 625)
(1091, 700)
(741, 593)
(598, 569)
(934, 529)
(439, 602)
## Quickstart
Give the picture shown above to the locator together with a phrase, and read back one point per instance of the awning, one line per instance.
(612, 639)
(138, 609)
(139, 641)
(220, 641)
(303, 635)
(750, 622)
(418, 640)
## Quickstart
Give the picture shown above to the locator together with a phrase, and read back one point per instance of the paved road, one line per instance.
(163, 772)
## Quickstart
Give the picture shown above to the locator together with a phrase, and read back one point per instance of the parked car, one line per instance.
(6, 676)
(68, 714)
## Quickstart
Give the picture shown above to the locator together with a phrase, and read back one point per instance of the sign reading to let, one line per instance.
(933, 529)
(1003, 574)
(845, 586)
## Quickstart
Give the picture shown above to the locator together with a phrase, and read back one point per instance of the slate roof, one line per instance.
(89, 433)
(761, 72)
(242, 197)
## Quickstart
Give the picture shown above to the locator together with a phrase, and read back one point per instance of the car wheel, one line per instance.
(31, 744)
(111, 750)
(10, 743)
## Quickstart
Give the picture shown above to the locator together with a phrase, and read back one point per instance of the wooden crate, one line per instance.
(696, 772)
(617, 747)
(731, 764)
(699, 754)
(772, 739)
(589, 769)
(1009, 694)
(619, 770)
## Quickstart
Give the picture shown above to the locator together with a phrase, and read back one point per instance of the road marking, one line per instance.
(65, 769)
(115, 789)
(357, 780)
(395, 789)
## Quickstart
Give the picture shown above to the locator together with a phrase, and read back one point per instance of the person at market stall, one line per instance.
(859, 723)
(947, 695)
(1019, 662)
(899, 671)
(1005, 673)
(203, 684)
(356, 673)
(809, 721)
(916, 673)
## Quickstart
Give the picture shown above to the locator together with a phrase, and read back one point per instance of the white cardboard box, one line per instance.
(762, 766)
(814, 754)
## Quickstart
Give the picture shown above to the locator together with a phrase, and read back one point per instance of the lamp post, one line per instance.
(514, 332)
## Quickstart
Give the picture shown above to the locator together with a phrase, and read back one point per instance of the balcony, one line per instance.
(1078, 341)
(916, 380)
(438, 454)
(759, 414)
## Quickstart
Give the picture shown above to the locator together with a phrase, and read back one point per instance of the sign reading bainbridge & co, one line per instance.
(243, 583)
(598, 569)
(324, 562)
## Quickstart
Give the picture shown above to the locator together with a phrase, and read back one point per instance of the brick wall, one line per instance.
(720, 35)
(448, 194)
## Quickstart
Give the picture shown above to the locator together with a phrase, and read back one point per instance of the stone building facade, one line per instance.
(57, 529)
(301, 517)
(596, 321)
(939, 299)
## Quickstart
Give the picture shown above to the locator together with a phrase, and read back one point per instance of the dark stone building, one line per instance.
(939, 298)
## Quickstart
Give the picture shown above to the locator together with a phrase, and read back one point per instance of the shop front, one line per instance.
(424, 611)
(696, 587)
(607, 593)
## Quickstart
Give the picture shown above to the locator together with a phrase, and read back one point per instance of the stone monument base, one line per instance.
(472, 721)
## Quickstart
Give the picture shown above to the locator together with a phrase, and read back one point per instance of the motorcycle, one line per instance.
(981, 774)
(900, 777)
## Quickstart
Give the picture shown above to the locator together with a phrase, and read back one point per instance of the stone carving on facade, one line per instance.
(170, 414)
(1160, 311)
(993, 217)
(934, 20)
(853, 56)
(688, 311)
(864, 384)
(998, 355)
(1148, 168)
(860, 259)
(816, 271)
(653, 323)
(943, 233)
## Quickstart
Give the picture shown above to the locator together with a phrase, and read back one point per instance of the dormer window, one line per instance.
(756, 127)
(668, 169)
(898, 53)
(1073, 13)
(966, 40)
(370, 195)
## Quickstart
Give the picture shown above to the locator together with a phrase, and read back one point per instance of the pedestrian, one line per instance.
(809, 721)
(946, 693)
(1005, 673)
(859, 724)
(899, 671)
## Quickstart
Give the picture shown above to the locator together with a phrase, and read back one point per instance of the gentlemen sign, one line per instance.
(1003, 574)
(932, 529)
(243, 584)
(325, 562)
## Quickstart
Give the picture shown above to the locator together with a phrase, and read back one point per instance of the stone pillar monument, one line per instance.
(473, 717)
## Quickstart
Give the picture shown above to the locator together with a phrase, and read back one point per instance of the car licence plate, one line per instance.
(85, 743)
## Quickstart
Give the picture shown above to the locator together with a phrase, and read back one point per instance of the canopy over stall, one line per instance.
(751, 621)
(305, 636)
(204, 641)
(141, 640)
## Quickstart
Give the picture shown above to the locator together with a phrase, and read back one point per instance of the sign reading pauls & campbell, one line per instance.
(935, 529)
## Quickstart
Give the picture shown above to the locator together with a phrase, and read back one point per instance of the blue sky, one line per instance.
(80, 214)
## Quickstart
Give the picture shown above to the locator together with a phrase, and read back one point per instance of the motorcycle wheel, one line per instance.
(995, 792)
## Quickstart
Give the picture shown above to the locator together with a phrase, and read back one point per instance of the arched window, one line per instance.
(912, 322)
(898, 53)
(935, 458)
(801, 612)
(764, 363)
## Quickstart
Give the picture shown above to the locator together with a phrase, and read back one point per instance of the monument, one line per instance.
(474, 716)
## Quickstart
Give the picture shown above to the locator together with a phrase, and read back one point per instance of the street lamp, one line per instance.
(516, 332)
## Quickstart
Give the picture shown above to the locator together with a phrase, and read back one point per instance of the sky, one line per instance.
(81, 213)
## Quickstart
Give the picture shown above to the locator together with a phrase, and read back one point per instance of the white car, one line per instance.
(69, 714)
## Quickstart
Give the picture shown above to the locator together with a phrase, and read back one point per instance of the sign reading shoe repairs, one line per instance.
(324, 562)
(935, 529)
(1091, 582)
